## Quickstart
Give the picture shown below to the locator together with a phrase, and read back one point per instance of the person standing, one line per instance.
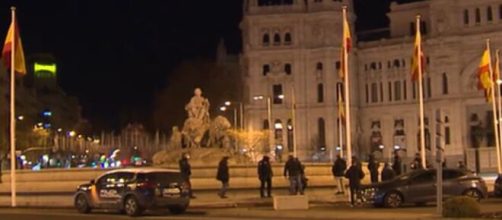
(223, 176)
(292, 171)
(338, 170)
(355, 174)
(397, 164)
(387, 173)
(265, 175)
(186, 172)
(373, 168)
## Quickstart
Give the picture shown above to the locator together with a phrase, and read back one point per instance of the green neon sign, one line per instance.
(45, 70)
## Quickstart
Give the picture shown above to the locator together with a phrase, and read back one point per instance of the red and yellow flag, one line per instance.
(496, 68)
(418, 56)
(346, 45)
(13, 36)
(484, 81)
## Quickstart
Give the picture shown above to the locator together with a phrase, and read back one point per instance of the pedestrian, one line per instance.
(397, 164)
(338, 170)
(387, 173)
(265, 175)
(373, 168)
(416, 163)
(355, 174)
(292, 171)
(223, 176)
(186, 172)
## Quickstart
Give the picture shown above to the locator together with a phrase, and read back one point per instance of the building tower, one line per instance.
(295, 45)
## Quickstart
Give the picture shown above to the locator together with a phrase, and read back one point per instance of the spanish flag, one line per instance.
(346, 46)
(484, 75)
(13, 36)
(418, 54)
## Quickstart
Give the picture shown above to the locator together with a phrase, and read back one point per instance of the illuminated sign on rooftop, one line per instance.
(45, 70)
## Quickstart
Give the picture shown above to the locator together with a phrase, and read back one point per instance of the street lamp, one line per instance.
(241, 113)
(269, 116)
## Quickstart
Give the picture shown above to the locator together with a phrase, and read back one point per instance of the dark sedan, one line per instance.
(419, 187)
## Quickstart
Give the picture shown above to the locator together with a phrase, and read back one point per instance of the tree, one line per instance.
(252, 143)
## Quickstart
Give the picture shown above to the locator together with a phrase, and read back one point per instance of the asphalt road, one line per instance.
(316, 212)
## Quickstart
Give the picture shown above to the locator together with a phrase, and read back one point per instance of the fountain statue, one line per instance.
(197, 123)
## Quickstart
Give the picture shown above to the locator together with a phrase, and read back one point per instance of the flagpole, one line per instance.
(347, 95)
(499, 101)
(340, 128)
(421, 97)
(12, 112)
(293, 120)
(494, 108)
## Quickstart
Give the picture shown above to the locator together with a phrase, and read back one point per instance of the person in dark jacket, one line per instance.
(417, 162)
(373, 168)
(223, 176)
(387, 173)
(265, 175)
(355, 174)
(293, 171)
(338, 170)
(397, 164)
(186, 172)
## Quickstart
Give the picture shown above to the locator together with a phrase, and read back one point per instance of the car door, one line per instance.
(451, 183)
(422, 187)
(106, 190)
(123, 179)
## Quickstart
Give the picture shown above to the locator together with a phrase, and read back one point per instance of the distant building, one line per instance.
(296, 44)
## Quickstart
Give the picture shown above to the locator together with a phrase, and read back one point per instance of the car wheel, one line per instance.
(82, 204)
(179, 209)
(473, 193)
(393, 200)
(131, 206)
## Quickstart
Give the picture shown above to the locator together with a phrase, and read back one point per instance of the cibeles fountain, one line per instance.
(206, 140)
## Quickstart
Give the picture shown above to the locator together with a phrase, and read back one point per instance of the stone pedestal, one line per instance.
(291, 202)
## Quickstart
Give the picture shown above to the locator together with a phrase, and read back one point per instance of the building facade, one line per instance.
(294, 47)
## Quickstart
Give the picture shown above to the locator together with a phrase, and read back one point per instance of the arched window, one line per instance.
(489, 14)
(445, 84)
(320, 93)
(287, 39)
(397, 63)
(321, 129)
(277, 39)
(266, 40)
(278, 131)
(478, 16)
(265, 69)
(319, 66)
(287, 68)
(466, 16)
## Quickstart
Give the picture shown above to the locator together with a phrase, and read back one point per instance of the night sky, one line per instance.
(114, 55)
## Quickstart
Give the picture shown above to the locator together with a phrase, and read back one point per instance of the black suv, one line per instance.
(134, 190)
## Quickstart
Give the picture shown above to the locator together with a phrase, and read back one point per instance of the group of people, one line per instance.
(294, 171)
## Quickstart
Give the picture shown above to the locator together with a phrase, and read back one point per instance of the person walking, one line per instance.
(387, 173)
(373, 168)
(355, 174)
(338, 170)
(397, 164)
(223, 176)
(265, 175)
(292, 171)
(186, 172)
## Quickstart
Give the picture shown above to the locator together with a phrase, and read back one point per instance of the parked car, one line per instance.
(134, 190)
(419, 187)
(497, 187)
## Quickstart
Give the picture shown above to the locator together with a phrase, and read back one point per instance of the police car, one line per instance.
(134, 190)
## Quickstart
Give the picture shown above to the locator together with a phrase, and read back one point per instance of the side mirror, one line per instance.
(92, 182)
